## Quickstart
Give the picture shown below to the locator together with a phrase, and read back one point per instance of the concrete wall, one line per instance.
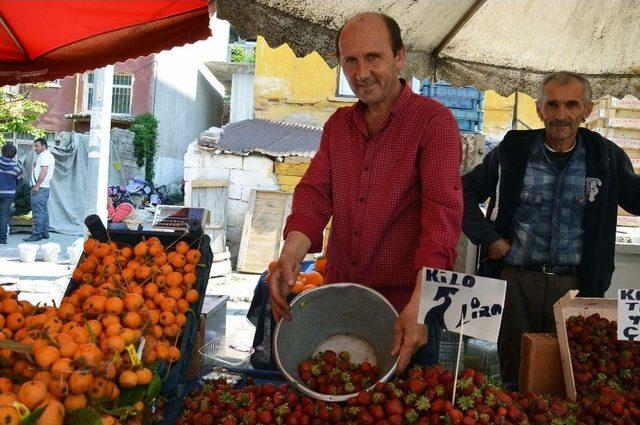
(288, 88)
(185, 103)
(243, 173)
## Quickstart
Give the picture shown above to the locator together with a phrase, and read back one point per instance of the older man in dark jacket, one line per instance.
(553, 199)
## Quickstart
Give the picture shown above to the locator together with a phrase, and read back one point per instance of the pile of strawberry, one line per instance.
(423, 398)
(606, 371)
(331, 373)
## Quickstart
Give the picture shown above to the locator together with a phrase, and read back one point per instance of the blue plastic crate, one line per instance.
(467, 114)
(459, 102)
(444, 89)
(469, 125)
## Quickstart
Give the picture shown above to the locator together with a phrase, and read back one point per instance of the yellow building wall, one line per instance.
(498, 113)
(288, 88)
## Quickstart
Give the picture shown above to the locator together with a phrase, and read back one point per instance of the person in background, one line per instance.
(10, 175)
(551, 222)
(40, 186)
(388, 175)
(22, 201)
(121, 211)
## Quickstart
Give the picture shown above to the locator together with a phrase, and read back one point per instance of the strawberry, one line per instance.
(364, 398)
(417, 385)
(394, 407)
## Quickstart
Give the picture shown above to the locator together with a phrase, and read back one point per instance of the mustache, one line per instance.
(560, 122)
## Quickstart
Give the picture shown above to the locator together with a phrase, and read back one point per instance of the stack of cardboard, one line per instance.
(619, 120)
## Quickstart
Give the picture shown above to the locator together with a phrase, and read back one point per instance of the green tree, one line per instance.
(145, 128)
(18, 112)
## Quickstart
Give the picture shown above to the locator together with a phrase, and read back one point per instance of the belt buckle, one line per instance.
(544, 270)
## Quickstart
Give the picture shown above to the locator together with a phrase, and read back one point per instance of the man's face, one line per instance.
(367, 59)
(38, 147)
(562, 108)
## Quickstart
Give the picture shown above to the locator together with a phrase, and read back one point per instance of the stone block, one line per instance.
(258, 163)
(192, 160)
(251, 178)
(234, 191)
(211, 160)
(236, 209)
(220, 268)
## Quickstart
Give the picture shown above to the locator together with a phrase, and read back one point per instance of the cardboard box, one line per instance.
(540, 364)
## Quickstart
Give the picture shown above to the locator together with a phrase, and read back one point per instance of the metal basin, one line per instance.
(341, 317)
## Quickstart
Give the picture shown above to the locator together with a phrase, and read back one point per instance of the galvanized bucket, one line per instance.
(341, 317)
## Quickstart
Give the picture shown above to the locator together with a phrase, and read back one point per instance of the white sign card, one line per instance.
(451, 300)
(629, 314)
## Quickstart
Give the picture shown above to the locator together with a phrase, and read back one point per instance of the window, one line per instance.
(120, 94)
(50, 136)
(343, 85)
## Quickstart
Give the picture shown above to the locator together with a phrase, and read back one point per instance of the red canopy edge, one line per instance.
(110, 47)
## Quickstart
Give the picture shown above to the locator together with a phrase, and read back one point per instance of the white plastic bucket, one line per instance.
(28, 252)
(50, 252)
(74, 253)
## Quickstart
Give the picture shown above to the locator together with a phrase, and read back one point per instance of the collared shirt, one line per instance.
(548, 221)
(395, 197)
(10, 174)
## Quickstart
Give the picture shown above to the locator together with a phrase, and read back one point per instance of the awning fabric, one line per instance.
(41, 40)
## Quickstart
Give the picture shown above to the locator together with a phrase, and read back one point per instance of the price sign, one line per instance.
(454, 301)
(629, 314)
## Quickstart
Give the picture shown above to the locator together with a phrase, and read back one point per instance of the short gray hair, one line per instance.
(565, 77)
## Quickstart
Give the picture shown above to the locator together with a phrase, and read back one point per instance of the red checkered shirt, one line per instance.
(395, 197)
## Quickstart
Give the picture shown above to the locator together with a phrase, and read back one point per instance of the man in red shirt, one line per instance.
(388, 172)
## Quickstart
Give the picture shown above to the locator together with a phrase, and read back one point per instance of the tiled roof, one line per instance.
(275, 139)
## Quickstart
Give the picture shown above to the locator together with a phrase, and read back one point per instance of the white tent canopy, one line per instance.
(504, 45)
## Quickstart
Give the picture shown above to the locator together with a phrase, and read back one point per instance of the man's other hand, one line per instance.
(499, 249)
(408, 335)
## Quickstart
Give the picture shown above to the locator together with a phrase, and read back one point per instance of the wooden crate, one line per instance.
(628, 221)
(610, 102)
(624, 143)
(627, 123)
(568, 306)
(616, 133)
(613, 113)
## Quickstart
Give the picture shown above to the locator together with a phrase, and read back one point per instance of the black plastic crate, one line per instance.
(174, 376)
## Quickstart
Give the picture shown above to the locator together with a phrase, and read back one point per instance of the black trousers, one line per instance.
(528, 307)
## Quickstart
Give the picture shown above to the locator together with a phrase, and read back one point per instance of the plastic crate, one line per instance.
(444, 89)
(469, 125)
(174, 376)
(483, 356)
(467, 114)
(459, 102)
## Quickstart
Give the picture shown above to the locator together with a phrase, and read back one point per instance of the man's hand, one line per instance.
(109, 201)
(285, 274)
(35, 189)
(499, 249)
(408, 334)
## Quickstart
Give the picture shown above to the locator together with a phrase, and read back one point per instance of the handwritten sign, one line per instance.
(629, 314)
(451, 300)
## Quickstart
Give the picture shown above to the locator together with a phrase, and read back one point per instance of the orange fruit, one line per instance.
(297, 288)
(99, 388)
(116, 344)
(192, 296)
(171, 331)
(80, 381)
(307, 287)
(89, 245)
(141, 249)
(9, 415)
(6, 386)
(150, 290)
(319, 264)
(193, 256)
(189, 279)
(174, 354)
(178, 261)
(156, 249)
(128, 379)
(62, 368)
(175, 293)
(46, 356)
(132, 320)
(75, 401)
(32, 393)
(53, 414)
(144, 376)
(174, 279)
(9, 305)
(133, 302)
(114, 305)
(166, 318)
(88, 355)
(182, 247)
(66, 311)
(43, 376)
(314, 278)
